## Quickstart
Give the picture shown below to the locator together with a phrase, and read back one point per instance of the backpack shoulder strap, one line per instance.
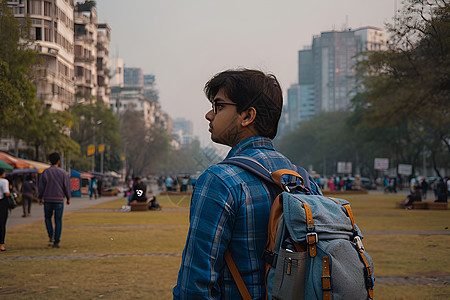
(253, 166)
(237, 276)
(250, 164)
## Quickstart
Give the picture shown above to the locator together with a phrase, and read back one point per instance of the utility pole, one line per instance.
(102, 155)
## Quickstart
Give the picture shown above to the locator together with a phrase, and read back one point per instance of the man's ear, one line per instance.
(248, 117)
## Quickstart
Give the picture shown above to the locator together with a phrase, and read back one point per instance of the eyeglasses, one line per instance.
(216, 104)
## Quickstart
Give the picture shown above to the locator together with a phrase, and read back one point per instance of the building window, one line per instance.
(80, 72)
(38, 34)
(47, 35)
(78, 51)
(36, 8)
(47, 9)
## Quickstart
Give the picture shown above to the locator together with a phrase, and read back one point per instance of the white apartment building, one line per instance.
(52, 30)
(103, 41)
(116, 69)
(85, 19)
(372, 38)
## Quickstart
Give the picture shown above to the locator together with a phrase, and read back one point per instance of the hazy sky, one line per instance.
(185, 42)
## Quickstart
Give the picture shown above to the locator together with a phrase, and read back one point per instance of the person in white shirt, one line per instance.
(4, 192)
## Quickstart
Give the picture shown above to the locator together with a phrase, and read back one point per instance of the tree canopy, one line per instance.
(401, 110)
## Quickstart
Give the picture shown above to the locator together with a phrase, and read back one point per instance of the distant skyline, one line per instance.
(184, 43)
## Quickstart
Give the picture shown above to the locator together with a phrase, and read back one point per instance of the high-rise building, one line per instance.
(372, 38)
(103, 41)
(85, 18)
(52, 30)
(293, 106)
(150, 91)
(306, 84)
(184, 130)
(133, 77)
(116, 67)
(129, 91)
(334, 77)
(334, 57)
(326, 75)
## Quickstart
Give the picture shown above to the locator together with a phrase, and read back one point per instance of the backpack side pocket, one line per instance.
(289, 281)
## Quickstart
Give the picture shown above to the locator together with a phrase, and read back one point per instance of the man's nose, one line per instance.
(209, 115)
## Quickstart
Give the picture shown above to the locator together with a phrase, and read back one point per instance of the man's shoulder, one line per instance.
(54, 170)
(230, 173)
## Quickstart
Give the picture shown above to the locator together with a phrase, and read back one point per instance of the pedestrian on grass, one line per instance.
(54, 186)
(169, 184)
(4, 192)
(99, 186)
(230, 207)
(424, 185)
(28, 191)
(93, 188)
(331, 184)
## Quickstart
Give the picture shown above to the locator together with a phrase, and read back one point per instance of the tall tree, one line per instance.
(17, 91)
(96, 124)
(145, 147)
(407, 86)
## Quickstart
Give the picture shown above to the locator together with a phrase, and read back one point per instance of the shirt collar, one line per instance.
(253, 142)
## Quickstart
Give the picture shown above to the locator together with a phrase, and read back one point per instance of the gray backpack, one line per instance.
(314, 248)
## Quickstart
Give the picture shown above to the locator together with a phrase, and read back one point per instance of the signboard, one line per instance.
(101, 148)
(344, 167)
(90, 150)
(381, 163)
(404, 169)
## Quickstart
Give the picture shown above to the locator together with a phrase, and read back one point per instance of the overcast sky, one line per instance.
(185, 42)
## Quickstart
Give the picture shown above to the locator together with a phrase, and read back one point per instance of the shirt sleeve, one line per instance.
(211, 221)
(67, 186)
(4, 186)
(42, 184)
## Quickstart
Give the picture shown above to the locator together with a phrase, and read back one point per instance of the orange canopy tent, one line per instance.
(16, 163)
(36, 164)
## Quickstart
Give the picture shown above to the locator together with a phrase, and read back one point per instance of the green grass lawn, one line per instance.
(106, 253)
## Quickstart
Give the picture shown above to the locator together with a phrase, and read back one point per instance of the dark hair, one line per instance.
(2, 171)
(29, 177)
(54, 158)
(251, 88)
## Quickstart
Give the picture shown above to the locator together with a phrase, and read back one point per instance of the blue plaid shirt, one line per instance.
(230, 208)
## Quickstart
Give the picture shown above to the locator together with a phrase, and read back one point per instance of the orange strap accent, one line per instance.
(274, 218)
(275, 214)
(309, 217)
(369, 273)
(361, 254)
(276, 176)
(311, 239)
(350, 214)
(237, 277)
(326, 279)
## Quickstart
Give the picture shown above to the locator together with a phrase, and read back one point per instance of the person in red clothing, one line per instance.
(53, 187)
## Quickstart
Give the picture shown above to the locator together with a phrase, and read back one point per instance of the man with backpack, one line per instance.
(230, 206)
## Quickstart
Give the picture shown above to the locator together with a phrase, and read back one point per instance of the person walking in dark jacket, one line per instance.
(53, 187)
(28, 191)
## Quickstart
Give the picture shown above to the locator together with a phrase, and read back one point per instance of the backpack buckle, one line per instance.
(326, 283)
(312, 238)
(359, 244)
